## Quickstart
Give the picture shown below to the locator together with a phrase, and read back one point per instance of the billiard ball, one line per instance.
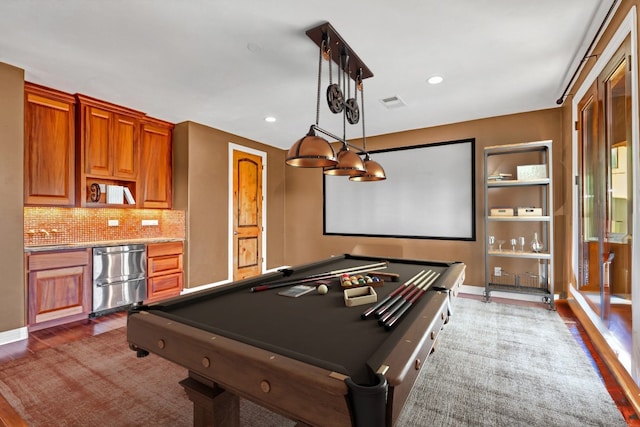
(322, 289)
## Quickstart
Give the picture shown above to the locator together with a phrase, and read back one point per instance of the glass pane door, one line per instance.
(591, 191)
(606, 189)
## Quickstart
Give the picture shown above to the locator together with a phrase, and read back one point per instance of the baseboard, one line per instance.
(479, 290)
(14, 335)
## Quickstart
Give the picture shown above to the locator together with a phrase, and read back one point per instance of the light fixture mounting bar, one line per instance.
(337, 138)
(339, 47)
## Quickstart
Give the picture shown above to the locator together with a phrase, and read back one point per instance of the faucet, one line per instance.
(45, 232)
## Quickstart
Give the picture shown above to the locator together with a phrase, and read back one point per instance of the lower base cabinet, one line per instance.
(59, 287)
(164, 270)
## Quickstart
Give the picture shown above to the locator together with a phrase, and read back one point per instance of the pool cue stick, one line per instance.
(399, 289)
(319, 276)
(393, 308)
(392, 322)
(379, 312)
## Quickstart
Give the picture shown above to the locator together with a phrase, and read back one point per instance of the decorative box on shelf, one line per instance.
(501, 211)
(529, 211)
(529, 172)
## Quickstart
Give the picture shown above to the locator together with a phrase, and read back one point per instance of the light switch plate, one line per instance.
(113, 222)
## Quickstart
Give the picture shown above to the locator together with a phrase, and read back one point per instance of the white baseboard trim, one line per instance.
(479, 290)
(14, 335)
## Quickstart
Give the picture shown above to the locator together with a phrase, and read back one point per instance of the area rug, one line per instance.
(496, 365)
(98, 381)
(500, 364)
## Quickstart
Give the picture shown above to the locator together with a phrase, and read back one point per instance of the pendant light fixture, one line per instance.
(349, 163)
(312, 151)
(373, 170)
(315, 151)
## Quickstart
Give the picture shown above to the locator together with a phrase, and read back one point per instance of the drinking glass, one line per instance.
(514, 242)
(522, 242)
(492, 242)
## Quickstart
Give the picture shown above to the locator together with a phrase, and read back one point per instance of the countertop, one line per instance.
(82, 245)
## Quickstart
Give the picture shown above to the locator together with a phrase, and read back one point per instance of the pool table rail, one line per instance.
(277, 382)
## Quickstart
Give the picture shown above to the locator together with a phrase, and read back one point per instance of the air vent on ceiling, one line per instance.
(392, 102)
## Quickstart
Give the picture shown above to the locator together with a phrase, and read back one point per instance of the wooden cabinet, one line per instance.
(59, 287)
(49, 126)
(156, 179)
(164, 270)
(77, 148)
(108, 143)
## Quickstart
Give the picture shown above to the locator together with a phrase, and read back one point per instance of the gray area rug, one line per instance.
(499, 364)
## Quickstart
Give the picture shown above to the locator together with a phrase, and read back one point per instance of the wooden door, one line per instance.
(155, 182)
(48, 147)
(247, 215)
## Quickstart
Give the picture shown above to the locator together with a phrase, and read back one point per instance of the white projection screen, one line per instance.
(428, 194)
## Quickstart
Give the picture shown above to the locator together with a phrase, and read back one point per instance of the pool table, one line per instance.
(310, 358)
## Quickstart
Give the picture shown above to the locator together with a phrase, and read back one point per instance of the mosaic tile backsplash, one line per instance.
(69, 226)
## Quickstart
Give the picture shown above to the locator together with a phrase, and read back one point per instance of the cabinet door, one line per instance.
(165, 286)
(48, 147)
(124, 147)
(56, 294)
(59, 287)
(97, 134)
(155, 182)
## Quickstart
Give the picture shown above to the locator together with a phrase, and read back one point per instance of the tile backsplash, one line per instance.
(62, 226)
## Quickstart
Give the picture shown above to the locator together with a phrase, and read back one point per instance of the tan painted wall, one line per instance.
(305, 241)
(201, 172)
(12, 289)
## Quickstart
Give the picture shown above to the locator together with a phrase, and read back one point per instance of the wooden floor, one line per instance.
(48, 338)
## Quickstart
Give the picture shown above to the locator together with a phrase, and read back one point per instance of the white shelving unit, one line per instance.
(518, 268)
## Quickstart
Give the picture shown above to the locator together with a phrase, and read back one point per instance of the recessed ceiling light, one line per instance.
(269, 119)
(434, 80)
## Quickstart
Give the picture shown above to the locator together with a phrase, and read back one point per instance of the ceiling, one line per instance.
(230, 63)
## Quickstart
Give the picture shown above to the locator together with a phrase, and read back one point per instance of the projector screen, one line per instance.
(428, 194)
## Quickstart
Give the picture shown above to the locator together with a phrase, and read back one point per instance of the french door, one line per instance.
(606, 189)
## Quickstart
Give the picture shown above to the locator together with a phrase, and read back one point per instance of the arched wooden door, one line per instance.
(247, 215)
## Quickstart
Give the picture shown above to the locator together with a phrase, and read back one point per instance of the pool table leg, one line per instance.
(212, 405)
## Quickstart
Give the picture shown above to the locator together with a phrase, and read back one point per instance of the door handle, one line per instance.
(235, 233)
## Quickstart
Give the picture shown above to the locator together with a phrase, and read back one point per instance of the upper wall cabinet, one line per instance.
(48, 147)
(156, 179)
(108, 139)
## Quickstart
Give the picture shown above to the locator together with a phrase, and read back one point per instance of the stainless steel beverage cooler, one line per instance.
(119, 277)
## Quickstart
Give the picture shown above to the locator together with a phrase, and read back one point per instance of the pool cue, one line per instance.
(399, 289)
(392, 322)
(320, 276)
(379, 312)
(399, 302)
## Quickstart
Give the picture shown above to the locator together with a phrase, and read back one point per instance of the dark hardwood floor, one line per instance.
(48, 338)
(51, 337)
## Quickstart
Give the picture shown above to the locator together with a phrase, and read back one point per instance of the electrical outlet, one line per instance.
(497, 271)
(149, 222)
(113, 223)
